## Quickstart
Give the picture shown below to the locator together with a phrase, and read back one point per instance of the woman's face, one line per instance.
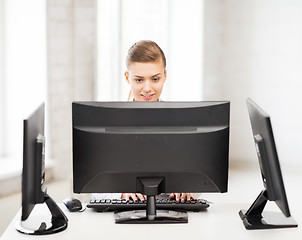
(146, 80)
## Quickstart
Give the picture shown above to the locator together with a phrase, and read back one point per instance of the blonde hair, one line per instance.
(144, 51)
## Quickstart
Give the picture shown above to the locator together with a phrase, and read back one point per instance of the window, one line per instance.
(2, 86)
(176, 25)
(22, 72)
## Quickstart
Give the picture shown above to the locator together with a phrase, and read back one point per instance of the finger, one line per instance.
(125, 196)
(172, 195)
(141, 197)
(177, 197)
(183, 197)
(133, 196)
(192, 196)
(187, 197)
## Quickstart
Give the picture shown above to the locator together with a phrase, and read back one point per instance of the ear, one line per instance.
(127, 77)
(165, 75)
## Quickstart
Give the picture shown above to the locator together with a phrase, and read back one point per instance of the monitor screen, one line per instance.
(274, 189)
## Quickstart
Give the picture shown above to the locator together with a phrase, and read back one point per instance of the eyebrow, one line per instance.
(144, 77)
(138, 76)
(156, 74)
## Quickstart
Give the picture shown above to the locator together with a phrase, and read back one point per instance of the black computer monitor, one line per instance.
(255, 217)
(150, 147)
(34, 189)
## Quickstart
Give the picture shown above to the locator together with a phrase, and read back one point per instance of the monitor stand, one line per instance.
(58, 221)
(256, 218)
(151, 187)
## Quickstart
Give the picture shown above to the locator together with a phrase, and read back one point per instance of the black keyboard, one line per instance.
(111, 205)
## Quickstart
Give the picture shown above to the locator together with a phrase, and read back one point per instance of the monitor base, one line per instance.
(140, 216)
(268, 220)
(151, 186)
(256, 218)
(57, 223)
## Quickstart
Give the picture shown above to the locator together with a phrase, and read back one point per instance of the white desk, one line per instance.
(220, 221)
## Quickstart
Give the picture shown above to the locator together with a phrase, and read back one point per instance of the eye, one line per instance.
(156, 79)
(138, 80)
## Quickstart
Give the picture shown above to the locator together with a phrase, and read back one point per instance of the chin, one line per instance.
(151, 100)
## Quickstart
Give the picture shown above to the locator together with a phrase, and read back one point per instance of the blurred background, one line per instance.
(59, 51)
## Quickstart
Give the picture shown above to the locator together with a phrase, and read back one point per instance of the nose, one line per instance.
(147, 86)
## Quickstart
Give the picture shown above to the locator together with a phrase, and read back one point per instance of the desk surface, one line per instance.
(220, 221)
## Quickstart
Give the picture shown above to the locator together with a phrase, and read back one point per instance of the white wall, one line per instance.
(71, 71)
(253, 49)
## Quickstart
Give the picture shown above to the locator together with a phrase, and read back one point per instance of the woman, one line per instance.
(146, 73)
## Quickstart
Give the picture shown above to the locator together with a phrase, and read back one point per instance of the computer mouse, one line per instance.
(73, 204)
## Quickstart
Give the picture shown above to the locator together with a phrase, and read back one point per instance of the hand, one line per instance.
(133, 196)
(182, 197)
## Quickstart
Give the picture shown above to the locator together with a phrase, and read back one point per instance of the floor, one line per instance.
(244, 186)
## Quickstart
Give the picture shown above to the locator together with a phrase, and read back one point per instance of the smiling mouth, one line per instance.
(147, 96)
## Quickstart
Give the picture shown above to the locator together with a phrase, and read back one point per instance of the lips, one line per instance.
(147, 96)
